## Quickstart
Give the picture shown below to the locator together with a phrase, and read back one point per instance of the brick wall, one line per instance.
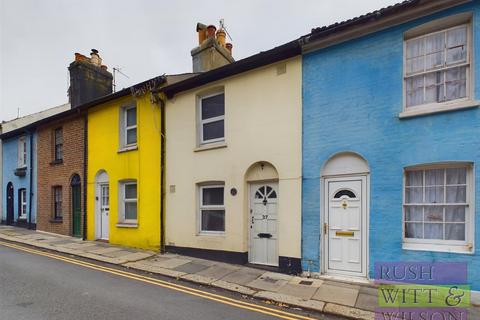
(59, 174)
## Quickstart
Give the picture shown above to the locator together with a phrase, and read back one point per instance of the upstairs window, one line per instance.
(57, 203)
(437, 67)
(22, 152)
(131, 126)
(212, 118)
(58, 144)
(128, 127)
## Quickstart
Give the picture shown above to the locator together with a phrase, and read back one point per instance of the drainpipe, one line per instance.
(30, 200)
(162, 175)
(85, 163)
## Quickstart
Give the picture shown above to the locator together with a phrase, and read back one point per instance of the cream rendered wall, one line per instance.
(263, 118)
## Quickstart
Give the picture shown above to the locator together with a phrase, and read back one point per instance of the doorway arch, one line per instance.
(345, 188)
(263, 199)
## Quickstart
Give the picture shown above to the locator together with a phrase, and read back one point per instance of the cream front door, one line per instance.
(263, 224)
(104, 211)
(345, 226)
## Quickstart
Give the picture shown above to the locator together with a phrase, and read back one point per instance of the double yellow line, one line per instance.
(165, 284)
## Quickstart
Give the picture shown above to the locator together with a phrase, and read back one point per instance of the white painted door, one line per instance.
(345, 226)
(104, 211)
(263, 224)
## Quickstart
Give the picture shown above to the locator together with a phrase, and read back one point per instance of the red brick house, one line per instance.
(61, 151)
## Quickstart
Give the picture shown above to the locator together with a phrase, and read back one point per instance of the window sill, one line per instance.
(56, 220)
(128, 148)
(438, 108)
(127, 225)
(211, 233)
(210, 146)
(438, 248)
(56, 162)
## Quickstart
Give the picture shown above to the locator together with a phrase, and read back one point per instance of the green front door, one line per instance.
(77, 210)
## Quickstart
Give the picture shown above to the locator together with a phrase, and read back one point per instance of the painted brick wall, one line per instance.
(50, 175)
(10, 164)
(352, 96)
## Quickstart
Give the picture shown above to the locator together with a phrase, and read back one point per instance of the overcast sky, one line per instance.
(145, 38)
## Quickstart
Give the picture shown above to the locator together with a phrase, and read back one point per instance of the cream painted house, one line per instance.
(233, 162)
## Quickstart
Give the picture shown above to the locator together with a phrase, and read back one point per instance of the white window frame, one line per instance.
(201, 122)
(124, 200)
(22, 152)
(453, 246)
(210, 207)
(125, 128)
(22, 213)
(434, 107)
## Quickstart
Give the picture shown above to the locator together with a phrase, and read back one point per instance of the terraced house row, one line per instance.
(355, 144)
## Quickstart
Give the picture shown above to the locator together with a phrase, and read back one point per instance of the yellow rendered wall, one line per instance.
(263, 122)
(142, 164)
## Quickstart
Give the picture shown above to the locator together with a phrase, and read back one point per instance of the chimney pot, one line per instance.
(221, 34)
(211, 31)
(229, 47)
(95, 58)
(202, 33)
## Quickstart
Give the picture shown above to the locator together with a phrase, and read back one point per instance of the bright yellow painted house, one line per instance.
(124, 193)
(124, 187)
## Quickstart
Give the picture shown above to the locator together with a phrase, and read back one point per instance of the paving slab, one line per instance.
(233, 287)
(277, 276)
(218, 271)
(350, 312)
(140, 265)
(172, 263)
(117, 254)
(243, 276)
(369, 290)
(135, 256)
(336, 294)
(198, 279)
(367, 302)
(62, 242)
(309, 282)
(289, 300)
(191, 267)
(105, 250)
(267, 283)
(298, 290)
(80, 246)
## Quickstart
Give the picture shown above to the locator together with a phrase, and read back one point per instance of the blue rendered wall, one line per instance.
(10, 163)
(352, 95)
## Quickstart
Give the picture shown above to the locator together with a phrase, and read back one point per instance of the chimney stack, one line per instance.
(89, 79)
(212, 51)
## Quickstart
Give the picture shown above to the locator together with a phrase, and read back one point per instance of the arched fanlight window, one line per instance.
(75, 180)
(344, 192)
(265, 192)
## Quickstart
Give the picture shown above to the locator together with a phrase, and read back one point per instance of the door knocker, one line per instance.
(344, 204)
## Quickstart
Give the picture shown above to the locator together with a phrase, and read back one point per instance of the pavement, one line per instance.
(352, 300)
(34, 287)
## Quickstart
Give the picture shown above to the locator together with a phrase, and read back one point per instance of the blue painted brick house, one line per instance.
(19, 180)
(391, 140)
